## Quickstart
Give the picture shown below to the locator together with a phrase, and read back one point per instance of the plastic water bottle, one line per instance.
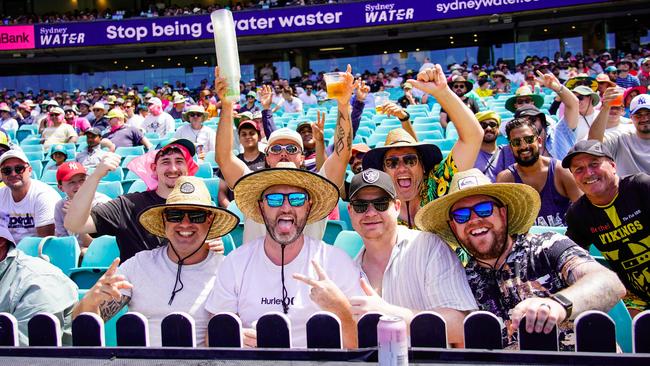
(225, 43)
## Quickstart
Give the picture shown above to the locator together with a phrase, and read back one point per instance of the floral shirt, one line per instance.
(537, 266)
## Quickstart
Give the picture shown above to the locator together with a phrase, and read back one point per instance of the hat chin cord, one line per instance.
(181, 262)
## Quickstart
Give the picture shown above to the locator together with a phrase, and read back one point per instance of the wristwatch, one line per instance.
(406, 118)
(566, 303)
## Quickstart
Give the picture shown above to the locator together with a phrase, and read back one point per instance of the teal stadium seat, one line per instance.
(205, 171)
(111, 189)
(350, 242)
(62, 252)
(332, 230)
(129, 150)
(137, 186)
(99, 256)
(228, 244)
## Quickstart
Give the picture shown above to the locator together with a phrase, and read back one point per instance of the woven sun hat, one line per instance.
(195, 109)
(524, 91)
(189, 193)
(178, 99)
(522, 201)
(602, 78)
(429, 153)
(323, 194)
(459, 79)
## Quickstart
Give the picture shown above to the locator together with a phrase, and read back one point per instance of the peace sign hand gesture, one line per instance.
(324, 291)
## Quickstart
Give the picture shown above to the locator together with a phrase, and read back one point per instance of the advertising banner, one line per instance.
(19, 37)
(271, 21)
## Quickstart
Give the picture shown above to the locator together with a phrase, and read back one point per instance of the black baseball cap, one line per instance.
(372, 178)
(93, 131)
(591, 147)
(530, 111)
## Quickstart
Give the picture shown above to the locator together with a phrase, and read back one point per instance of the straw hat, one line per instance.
(429, 153)
(324, 195)
(524, 91)
(459, 79)
(195, 109)
(189, 193)
(522, 201)
(602, 78)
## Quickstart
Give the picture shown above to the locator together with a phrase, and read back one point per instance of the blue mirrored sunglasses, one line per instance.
(482, 209)
(296, 199)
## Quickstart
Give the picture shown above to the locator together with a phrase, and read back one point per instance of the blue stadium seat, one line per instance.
(130, 150)
(34, 155)
(32, 148)
(37, 169)
(62, 252)
(99, 256)
(429, 135)
(49, 177)
(111, 189)
(228, 244)
(232, 207)
(350, 242)
(332, 230)
(114, 175)
(344, 215)
(205, 171)
(31, 140)
(213, 187)
(137, 186)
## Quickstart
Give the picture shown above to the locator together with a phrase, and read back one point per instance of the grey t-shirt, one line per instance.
(630, 152)
(59, 215)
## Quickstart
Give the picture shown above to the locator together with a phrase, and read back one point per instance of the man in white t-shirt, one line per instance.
(256, 278)
(404, 271)
(289, 103)
(202, 136)
(308, 97)
(175, 277)
(158, 121)
(284, 145)
(29, 203)
(59, 132)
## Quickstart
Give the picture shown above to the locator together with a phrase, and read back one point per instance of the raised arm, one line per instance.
(400, 113)
(266, 98)
(570, 101)
(335, 165)
(78, 219)
(105, 298)
(231, 167)
(317, 131)
(599, 126)
(470, 133)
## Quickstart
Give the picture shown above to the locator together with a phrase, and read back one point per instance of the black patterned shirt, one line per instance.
(537, 266)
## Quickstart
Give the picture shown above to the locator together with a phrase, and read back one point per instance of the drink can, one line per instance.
(392, 341)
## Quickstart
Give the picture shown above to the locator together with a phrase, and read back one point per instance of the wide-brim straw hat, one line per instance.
(189, 193)
(524, 91)
(195, 109)
(324, 194)
(459, 79)
(602, 78)
(521, 200)
(430, 154)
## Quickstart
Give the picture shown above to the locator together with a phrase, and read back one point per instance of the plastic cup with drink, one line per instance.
(381, 98)
(335, 84)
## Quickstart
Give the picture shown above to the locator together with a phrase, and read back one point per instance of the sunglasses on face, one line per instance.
(55, 115)
(296, 199)
(97, 110)
(195, 216)
(357, 156)
(458, 86)
(524, 101)
(490, 124)
(482, 209)
(580, 97)
(516, 142)
(622, 71)
(409, 160)
(361, 206)
(18, 169)
(290, 149)
(195, 114)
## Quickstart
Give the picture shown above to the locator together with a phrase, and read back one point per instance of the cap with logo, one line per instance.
(640, 102)
(591, 147)
(69, 169)
(372, 178)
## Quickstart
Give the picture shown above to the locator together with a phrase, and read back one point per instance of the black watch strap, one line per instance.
(565, 302)
(408, 117)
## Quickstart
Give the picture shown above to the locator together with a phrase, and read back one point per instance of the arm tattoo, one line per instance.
(108, 309)
(339, 143)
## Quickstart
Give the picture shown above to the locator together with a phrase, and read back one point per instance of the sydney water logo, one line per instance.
(380, 13)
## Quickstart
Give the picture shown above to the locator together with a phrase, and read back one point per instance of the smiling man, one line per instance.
(175, 277)
(489, 160)
(613, 216)
(555, 184)
(546, 279)
(255, 278)
(117, 216)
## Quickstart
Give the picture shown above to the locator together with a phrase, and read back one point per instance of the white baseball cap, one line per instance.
(13, 154)
(641, 101)
(285, 133)
(155, 101)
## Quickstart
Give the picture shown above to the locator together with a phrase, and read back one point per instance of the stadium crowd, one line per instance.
(471, 188)
(159, 9)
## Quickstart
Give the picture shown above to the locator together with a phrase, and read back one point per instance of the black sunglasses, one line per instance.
(410, 160)
(195, 216)
(195, 114)
(361, 206)
(490, 124)
(516, 142)
(18, 169)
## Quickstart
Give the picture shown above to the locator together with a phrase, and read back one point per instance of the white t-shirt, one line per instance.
(249, 284)
(294, 106)
(135, 121)
(203, 137)
(308, 99)
(35, 210)
(254, 230)
(584, 124)
(424, 274)
(160, 124)
(57, 135)
(9, 124)
(153, 276)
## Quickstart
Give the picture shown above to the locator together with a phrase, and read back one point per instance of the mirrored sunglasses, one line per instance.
(409, 160)
(296, 199)
(290, 149)
(516, 142)
(194, 216)
(482, 209)
(361, 206)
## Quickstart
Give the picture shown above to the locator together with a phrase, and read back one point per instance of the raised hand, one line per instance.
(347, 86)
(548, 80)
(318, 127)
(215, 245)
(371, 302)
(431, 80)
(392, 109)
(109, 163)
(108, 287)
(324, 291)
(611, 94)
(362, 90)
(220, 85)
(266, 96)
